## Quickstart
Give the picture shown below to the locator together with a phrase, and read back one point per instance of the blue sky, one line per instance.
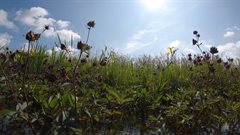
(133, 27)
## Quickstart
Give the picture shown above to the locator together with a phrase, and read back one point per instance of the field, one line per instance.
(116, 94)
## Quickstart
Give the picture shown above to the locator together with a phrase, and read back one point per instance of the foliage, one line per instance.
(42, 94)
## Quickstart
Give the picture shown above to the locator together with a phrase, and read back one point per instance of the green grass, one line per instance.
(113, 94)
(146, 92)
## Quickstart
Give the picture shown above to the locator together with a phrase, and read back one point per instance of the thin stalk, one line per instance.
(88, 34)
(74, 81)
(74, 74)
(200, 49)
(23, 86)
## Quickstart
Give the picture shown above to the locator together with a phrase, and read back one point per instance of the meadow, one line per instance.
(116, 94)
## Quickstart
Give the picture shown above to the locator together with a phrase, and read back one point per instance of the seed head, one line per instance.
(80, 45)
(194, 41)
(219, 60)
(37, 36)
(83, 61)
(230, 60)
(46, 27)
(104, 61)
(91, 24)
(195, 32)
(63, 47)
(213, 50)
(211, 69)
(30, 36)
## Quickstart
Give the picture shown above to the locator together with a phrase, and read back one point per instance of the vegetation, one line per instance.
(114, 94)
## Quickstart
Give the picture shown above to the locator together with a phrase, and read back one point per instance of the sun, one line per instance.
(154, 5)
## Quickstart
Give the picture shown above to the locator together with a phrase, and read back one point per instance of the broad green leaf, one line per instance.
(5, 112)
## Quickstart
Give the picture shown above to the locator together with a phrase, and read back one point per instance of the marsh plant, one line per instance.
(115, 94)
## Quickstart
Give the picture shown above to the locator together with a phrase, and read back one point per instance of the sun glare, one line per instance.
(154, 5)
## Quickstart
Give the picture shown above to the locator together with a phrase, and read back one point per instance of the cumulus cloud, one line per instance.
(5, 22)
(63, 24)
(72, 52)
(230, 49)
(229, 34)
(174, 44)
(37, 18)
(65, 34)
(5, 39)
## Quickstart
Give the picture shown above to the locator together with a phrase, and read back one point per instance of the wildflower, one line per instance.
(189, 57)
(226, 65)
(219, 60)
(30, 36)
(195, 62)
(91, 24)
(195, 32)
(194, 41)
(213, 50)
(94, 64)
(83, 47)
(83, 61)
(104, 61)
(207, 57)
(63, 73)
(63, 47)
(80, 45)
(211, 69)
(99, 78)
(46, 27)
(37, 36)
(230, 60)
(198, 59)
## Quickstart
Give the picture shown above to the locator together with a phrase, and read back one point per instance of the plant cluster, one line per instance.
(114, 94)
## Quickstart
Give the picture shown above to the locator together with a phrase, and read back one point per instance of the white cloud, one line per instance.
(72, 52)
(229, 34)
(234, 28)
(230, 49)
(144, 38)
(37, 17)
(33, 17)
(5, 39)
(174, 44)
(63, 24)
(5, 22)
(65, 34)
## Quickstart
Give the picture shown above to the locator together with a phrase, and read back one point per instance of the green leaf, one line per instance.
(21, 107)
(68, 99)
(5, 112)
(53, 102)
(127, 100)
(76, 131)
(114, 93)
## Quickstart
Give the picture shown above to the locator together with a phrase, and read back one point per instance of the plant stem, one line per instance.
(24, 89)
(74, 82)
(88, 35)
(74, 75)
(200, 49)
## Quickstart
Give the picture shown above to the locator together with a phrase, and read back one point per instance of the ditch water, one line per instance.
(128, 130)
